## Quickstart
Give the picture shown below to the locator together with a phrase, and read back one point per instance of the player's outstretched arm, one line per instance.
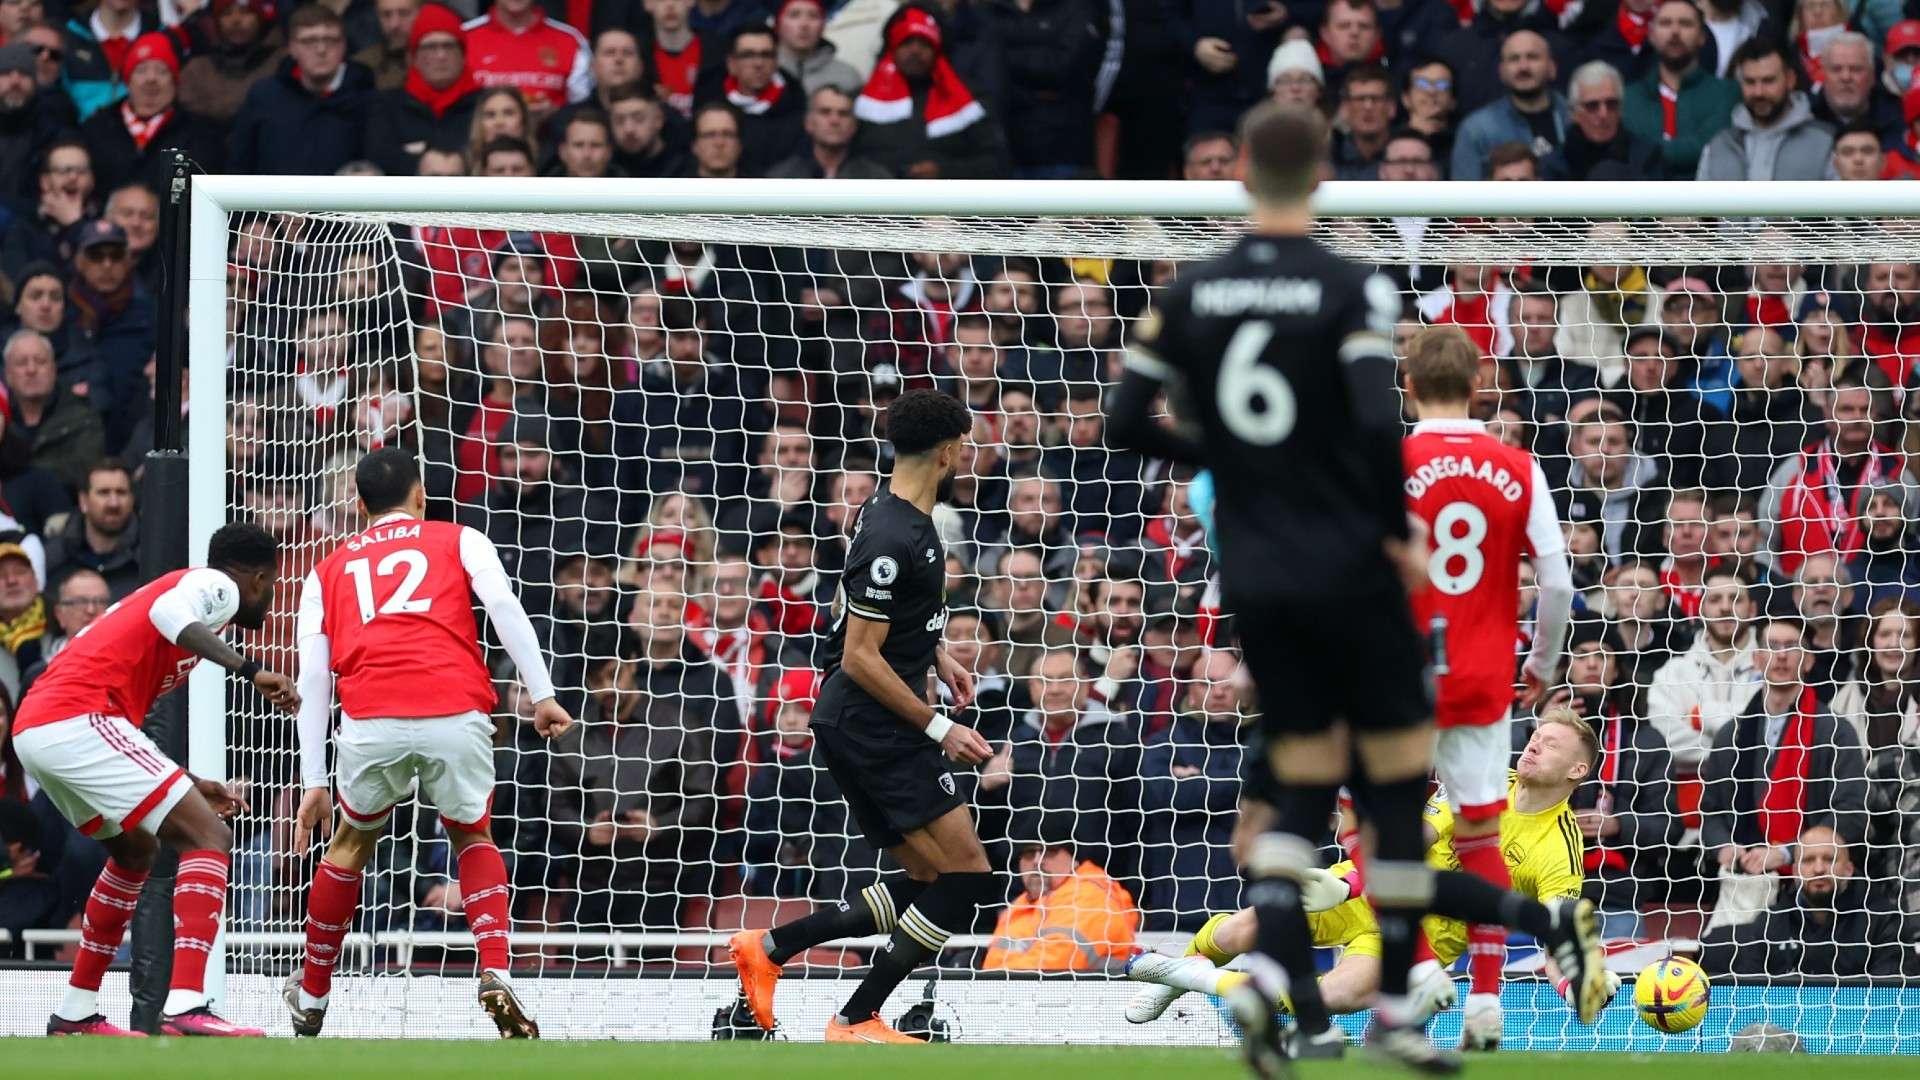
(1554, 576)
(316, 710)
(502, 604)
(187, 613)
(865, 666)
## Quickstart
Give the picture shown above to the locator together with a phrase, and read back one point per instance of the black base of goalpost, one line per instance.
(163, 548)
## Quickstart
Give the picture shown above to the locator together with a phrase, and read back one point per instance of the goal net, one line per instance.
(666, 421)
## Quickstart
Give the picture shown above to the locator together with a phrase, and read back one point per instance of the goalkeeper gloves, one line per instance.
(1565, 986)
(1321, 891)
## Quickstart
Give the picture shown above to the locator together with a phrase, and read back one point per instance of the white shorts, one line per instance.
(103, 774)
(377, 762)
(1472, 764)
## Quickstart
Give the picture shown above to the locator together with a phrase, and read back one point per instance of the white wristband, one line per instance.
(938, 727)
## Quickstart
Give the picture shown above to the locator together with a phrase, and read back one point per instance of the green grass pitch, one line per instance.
(330, 1059)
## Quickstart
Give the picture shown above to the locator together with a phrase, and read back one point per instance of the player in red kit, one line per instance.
(1487, 506)
(78, 735)
(386, 623)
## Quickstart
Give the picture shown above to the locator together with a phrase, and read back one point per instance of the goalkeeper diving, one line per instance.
(1543, 849)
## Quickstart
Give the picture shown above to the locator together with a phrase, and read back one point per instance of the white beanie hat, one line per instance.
(1295, 55)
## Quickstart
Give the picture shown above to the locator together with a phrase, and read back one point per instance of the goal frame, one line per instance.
(215, 199)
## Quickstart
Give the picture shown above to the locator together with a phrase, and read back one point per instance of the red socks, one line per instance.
(330, 906)
(1486, 943)
(483, 895)
(104, 925)
(199, 892)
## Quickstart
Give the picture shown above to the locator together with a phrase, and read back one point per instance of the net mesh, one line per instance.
(665, 423)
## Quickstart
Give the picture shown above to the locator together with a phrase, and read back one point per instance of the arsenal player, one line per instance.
(387, 620)
(78, 735)
(1487, 506)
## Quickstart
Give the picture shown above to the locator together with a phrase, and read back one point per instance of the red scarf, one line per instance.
(1612, 734)
(1782, 805)
(115, 49)
(1633, 28)
(794, 614)
(755, 104)
(1820, 503)
(887, 99)
(1685, 597)
(439, 101)
(677, 72)
(1669, 112)
(143, 131)
(1767, 309)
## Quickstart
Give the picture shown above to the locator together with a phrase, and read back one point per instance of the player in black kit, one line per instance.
(1277, 362)
(885, 745)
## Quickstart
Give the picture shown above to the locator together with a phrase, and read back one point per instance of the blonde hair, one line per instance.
(1566, 717)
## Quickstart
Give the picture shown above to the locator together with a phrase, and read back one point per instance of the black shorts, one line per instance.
(1356, 661)
(892, 786)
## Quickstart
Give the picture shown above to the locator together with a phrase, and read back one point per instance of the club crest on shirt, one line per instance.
(885, 570)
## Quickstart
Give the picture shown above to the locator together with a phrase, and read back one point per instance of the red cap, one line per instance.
(1904, 35)
(1689, 284)
(913, 23)
(434, 19)
(154, 46)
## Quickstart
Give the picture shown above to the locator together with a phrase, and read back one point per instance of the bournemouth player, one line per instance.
(884, 745)
(1279, 355)
(387, 621)
(1544, 850)
(1487, 506)
(78, 735)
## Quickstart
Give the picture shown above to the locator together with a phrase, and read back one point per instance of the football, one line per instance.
(1671, 995)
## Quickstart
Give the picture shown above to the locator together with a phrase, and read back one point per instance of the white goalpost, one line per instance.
(637, 386)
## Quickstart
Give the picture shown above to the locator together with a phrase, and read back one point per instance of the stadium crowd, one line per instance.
(669, 440)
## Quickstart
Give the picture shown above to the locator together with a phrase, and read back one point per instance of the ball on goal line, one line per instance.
(1671, 995)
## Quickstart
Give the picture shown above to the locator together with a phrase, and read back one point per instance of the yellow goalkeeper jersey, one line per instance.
(1544, 853)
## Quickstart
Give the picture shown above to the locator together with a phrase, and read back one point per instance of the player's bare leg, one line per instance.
(949, 847)
(759, 956)
(201, 835)
(331, 902)
(103, 926)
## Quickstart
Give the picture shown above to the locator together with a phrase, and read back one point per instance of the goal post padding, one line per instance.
(816, 298)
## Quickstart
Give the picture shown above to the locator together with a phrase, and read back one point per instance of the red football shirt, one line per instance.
(396, 604)
(1488, 507)
(546, 59)
(120, 663)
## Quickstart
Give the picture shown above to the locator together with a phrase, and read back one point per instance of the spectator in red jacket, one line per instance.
(1819, 496)
(515, 44)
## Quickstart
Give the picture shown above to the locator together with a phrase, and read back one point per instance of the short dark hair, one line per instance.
(750, 30)
(1759, 48)
(385, 478)
(503, 144)
(307, 15)
(1285, 145)
(105, 464)
(589, 116)
(243, 546)
(919, 420)
(1363, 73)
(1196, 141)
(635, 92)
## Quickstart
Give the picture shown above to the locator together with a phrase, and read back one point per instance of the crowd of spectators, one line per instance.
(669, 441)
